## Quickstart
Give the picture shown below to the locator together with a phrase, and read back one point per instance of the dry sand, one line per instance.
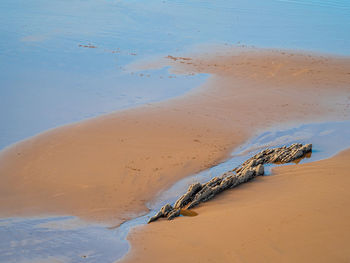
(107, 168)
(300, 214)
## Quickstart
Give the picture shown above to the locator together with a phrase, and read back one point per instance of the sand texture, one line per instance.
(300, 214)
(107, 168)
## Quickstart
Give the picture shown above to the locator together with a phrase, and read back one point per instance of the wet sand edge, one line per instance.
(298, 214)
(106, 169)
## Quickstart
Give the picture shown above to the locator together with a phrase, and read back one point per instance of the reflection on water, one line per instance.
(185, 212)
(307, 156)
(63, 60)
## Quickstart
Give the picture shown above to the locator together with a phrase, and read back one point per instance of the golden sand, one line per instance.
(300, 214)
(107, 168)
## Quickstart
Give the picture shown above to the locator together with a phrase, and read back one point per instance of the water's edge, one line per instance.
(70, 239)
(328, 139)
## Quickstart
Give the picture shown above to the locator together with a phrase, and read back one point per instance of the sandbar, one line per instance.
(106, 169)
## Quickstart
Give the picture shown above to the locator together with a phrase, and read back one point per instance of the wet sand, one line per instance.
(107, 168)
(299, 214)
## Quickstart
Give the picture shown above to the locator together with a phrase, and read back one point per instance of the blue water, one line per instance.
(57, 239)
(47, 80)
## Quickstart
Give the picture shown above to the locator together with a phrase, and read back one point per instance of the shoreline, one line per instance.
(120, 234)
(156, 145)
(306, 221)
(321, 134)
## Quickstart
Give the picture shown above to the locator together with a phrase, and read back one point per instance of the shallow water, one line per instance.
(57, 239)
(68, 239)
(48, 78)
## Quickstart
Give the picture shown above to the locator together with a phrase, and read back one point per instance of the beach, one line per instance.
(111, 109)
(106, 169)
(297, 214)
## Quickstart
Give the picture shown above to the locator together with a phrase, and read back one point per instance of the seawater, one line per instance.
(68, 239)
(63, 61)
